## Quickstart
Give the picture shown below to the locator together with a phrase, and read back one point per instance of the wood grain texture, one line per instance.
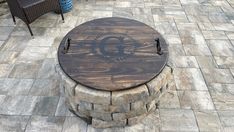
(112, 54)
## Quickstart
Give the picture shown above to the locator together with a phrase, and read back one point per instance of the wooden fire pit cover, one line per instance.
(112, 54)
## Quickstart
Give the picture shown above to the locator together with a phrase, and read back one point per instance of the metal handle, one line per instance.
(66, 45)
(158, 46)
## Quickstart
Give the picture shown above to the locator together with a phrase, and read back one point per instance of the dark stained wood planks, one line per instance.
(112, 54)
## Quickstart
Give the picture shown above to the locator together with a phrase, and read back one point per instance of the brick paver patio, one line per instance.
(200, 34)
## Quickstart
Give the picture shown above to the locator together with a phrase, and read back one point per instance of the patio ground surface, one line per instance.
(200, 34)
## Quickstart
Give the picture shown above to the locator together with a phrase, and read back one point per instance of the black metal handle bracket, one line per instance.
(158, 47)
(66, 45)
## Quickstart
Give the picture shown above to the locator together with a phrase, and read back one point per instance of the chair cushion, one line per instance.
(29, 3)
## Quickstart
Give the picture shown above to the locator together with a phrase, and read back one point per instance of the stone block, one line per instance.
(112, 108)
(85, 105)
(96, 123)
(101, 116)
(137, 105)
(69, 84)
(130, 114)
(66, 81)
(83, 116)
(164, 89)
(68, 93)
(167, 73)
(155, 84)
(172, 85)
(83, 113)
(151, 105)
(92, 95)
(120, 108)
(156, 96)
(130, 95)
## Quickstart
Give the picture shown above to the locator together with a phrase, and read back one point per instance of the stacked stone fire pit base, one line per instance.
(105, 109)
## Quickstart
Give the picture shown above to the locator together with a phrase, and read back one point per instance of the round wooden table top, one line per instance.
(112, 54)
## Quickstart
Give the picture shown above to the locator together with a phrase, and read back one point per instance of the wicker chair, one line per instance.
(30, 10)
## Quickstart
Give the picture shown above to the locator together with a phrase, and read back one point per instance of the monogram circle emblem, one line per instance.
(115, 47)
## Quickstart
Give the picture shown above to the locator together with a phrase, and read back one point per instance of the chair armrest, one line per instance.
(29, 3)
